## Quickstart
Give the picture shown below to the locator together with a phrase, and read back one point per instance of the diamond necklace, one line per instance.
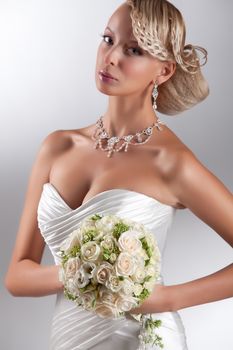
(100, 134)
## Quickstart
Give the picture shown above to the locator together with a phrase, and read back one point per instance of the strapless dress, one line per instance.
(74, 328)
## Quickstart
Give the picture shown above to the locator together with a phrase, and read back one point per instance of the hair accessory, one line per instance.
(100, 134)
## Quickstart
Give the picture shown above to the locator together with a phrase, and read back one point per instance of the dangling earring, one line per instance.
(155, 95)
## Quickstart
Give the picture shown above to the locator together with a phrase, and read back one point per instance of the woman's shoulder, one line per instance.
(62, 139)
(175, 154)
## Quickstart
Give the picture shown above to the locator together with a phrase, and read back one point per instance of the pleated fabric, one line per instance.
(74, 328)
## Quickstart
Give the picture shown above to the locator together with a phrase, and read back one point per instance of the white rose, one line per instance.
(90, 251)
(129, 242)
(114, 283)
(81, 279)
(150, 270)
(139, 260)
(138, 288)
(87, 224)
(102, 272)
(126, 303)
(71, 267)
(124, 264)
(149, 285)
(139, 274)
(127, 287)
(71, 287)
(106, 310)
(106, 224)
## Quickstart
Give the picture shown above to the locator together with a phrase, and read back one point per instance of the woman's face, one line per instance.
(120, 56)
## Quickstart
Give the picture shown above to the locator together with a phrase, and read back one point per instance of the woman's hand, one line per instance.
(158, 301)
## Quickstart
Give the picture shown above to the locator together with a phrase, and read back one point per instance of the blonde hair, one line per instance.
(159, 29)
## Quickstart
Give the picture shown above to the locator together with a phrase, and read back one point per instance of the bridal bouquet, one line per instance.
(110, 265)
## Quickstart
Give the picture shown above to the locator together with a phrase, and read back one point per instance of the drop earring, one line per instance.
(155, 95)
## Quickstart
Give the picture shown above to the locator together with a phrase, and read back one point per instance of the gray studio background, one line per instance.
(47, 63)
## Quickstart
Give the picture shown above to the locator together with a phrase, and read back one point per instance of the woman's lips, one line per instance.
(106, 77)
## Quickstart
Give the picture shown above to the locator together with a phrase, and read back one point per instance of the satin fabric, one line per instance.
(74, 328)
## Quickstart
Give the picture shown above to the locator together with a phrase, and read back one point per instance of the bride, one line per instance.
(144, 66)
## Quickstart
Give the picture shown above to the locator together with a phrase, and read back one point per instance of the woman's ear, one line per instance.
(167, 70)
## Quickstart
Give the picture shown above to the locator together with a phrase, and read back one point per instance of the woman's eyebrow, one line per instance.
(130, 40)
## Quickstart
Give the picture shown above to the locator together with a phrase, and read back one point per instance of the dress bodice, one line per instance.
(57, 220)
(74, 328)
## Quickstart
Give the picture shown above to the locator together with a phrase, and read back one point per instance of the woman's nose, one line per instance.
(112, 56)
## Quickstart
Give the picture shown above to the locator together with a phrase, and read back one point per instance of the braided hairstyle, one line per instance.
(159, 29)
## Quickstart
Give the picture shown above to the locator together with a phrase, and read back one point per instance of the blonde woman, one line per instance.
(144, 65)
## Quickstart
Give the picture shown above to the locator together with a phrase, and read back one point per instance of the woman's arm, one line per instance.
(32, 279)
(207, 197)
(25, 275)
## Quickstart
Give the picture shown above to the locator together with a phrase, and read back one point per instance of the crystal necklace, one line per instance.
(101, 134)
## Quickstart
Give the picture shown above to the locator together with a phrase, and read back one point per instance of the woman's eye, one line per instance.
(104, 37)
(136, 51)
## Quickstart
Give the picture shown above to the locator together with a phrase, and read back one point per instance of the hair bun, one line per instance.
(189, 60)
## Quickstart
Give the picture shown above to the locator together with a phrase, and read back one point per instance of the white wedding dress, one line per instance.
(74, 328)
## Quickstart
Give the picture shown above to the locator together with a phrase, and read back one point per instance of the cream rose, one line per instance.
(88, 299)
(90, 251)
(106, 310)
(71, 267)
(114, 283)
(71, 287)
(129, 242)
(127, 287)
(124, 264)
(106, 224)
(126, 303)
(106, 296)
(102, 272)
(138, 288)
(139, 274)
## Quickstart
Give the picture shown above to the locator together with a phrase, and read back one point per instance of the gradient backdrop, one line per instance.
(47, 64)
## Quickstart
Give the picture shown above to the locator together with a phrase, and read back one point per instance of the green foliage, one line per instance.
(147, 278)
(146, 247)
(96, 217)
(93, 304)
(89, 235)
(106, 254)
(144, 294)
(119, 228)
(69, 295)
(64, 258)
(152, 337)
(75, 250)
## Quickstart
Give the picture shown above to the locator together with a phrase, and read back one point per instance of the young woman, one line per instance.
(143, 65)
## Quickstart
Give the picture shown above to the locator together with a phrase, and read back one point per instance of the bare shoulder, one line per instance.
(57, 141)
(174, 154)
(176, 163)
(192, 183)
